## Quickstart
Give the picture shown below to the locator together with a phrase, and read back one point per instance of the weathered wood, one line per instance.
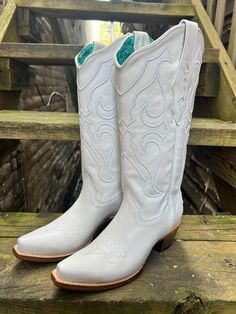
(26, 25)
(37, 125)
(219, 17)
(201, 176)
(199, 187)
(56, 54)
(208, 85)
(198, 227)
(227, 195)
(7, 146)
(61, 54)
(223, 106)
(14, 75)
(211, 9)
(8, 30)
(195, 275)
(232, 38)
(199, 197)
(115, 11)
(70, 73)
(218, 165)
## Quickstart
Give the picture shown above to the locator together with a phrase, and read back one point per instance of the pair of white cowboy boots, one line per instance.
(136, 98)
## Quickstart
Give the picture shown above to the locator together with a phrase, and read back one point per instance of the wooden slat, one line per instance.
(14, 75)
(218, 165)
(223, 106)
(26, 26)
(65, 126)
(196, 274)
(115, 11)
(8, 22)
(60, 37)
(220, 16)
(193, 227)
(211, 9)
(232, 38)
(58, 54)
(208, 84)
(227, 194)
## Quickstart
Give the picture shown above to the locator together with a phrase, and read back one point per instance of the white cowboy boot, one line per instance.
(100, 197)
(156, 88)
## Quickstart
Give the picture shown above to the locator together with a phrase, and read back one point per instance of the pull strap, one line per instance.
(141, 39)
(191, 31)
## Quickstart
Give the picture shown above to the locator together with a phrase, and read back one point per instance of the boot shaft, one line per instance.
(98, 122)
(156, 88)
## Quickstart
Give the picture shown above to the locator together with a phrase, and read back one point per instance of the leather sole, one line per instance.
(92, 286)
(161, 245)
(46, 258)
(39, 258)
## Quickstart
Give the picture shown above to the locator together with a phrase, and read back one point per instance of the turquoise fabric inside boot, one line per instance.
(84, 53)
(127, 49)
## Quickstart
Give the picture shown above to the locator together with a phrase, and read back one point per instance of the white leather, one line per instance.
(101, 192)
(156, 89)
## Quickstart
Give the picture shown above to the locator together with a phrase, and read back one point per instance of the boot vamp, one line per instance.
(68, 233)
(119, 251)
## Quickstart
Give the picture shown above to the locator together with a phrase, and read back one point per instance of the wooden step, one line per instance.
(195, 275)
(38, 125)
(58, 54)
(164, 13)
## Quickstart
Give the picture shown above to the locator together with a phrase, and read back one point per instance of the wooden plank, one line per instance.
(56, 54)
(232, 38)
(115, 11)
(193, 227)
(37, 125)
(224, 105)
(7, 146)
(62, 54)
(208, 85)
(211, 9)
(14, 75)
(70, 73)
(8, 30)
(217, 164)
(195, 276)
(26, 25)
(220, 16)
(227, 194)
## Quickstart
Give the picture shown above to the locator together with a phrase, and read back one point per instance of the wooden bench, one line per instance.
(196, 275)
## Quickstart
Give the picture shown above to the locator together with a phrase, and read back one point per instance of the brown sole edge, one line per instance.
(37, 258)
(41, 258)
(161, 245)
(93, 286)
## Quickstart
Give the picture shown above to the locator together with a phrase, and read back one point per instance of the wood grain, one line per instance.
(38, 125)
(218, 164)
(115, 11)
(232, 38)
(8, 23)
(196, 275)
(61, 54)
(223, 106)
(14, 75)
(219, 17)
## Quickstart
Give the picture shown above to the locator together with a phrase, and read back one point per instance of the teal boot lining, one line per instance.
(127, 49)
(84, 53)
